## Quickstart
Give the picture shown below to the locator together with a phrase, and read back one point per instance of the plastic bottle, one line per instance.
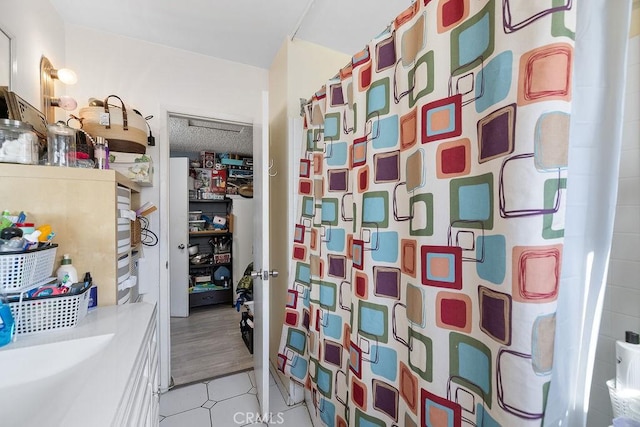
(99, 152)
(6, 324)
(67, 273)
(628, 362)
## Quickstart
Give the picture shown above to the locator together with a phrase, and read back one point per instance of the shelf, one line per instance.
(200, 291)
(208, 232)
(225, 200)
(207, 265)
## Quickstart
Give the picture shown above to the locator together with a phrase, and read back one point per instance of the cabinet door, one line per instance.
(178, 236)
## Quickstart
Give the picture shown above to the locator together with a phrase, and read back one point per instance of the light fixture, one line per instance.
(47, 89)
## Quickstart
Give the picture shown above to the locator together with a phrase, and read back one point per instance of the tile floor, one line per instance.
(227, 402)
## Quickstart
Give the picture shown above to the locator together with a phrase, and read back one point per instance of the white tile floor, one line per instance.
(227, 402)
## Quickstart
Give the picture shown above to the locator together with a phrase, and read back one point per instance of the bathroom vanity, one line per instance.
(102, 372)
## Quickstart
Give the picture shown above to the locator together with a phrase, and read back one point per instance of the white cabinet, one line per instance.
(140, 402)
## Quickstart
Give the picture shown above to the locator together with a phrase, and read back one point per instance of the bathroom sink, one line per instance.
(39, 383)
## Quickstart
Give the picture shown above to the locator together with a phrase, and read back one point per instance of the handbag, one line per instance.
(124, 132)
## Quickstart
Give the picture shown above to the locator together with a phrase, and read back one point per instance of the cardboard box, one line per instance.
(208, 159)
(219, 181)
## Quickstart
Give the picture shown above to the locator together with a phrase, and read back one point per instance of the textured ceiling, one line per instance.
(187, 135)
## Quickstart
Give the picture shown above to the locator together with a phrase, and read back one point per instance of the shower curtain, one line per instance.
(429, 239)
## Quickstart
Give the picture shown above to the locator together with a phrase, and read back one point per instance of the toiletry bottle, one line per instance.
(66, 273)
(6, 323)
(106, 154)
(99, 152)
(628, 362)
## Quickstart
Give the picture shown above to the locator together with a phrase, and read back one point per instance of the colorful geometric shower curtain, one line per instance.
(428, 245)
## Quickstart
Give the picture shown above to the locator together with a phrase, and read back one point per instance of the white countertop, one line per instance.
(87, 392)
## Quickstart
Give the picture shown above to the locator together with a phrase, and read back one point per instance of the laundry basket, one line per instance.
(625, 403)
(49, 312)
(21, 270)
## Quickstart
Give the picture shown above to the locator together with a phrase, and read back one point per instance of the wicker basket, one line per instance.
(624, 404)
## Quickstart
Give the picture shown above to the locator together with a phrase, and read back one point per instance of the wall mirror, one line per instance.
(6, 58)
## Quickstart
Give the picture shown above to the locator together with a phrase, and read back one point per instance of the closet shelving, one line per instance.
(211, 282)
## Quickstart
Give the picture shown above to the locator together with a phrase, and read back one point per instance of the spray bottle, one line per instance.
(7, 324)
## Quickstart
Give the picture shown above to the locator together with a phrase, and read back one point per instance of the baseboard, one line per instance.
(292, 393)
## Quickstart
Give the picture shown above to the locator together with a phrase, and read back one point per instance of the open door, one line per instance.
(261, 266)
(178, 236)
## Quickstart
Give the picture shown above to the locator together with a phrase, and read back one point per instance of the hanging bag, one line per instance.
(125, 132)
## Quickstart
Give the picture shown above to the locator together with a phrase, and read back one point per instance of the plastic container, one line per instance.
(100, 153)
(51, 312)
(61, 145)
(26, 227)
(67, 273)
(21, 270)
(18, 142)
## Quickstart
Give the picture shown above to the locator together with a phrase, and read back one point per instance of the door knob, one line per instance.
(181, 246)
(264, 274)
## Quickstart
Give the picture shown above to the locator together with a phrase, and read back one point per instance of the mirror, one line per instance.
(6, 58)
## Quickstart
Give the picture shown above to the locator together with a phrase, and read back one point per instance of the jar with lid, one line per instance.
(18, 142)
(61, 145)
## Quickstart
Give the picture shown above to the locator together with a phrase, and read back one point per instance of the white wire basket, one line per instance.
(625, 403)
(22, 270)
(40, 314)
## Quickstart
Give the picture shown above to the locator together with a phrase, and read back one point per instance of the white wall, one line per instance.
(621, 311)
(155, 79)
(38, 30)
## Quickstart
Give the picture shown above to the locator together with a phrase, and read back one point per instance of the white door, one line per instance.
(178, 237)
(261, 255)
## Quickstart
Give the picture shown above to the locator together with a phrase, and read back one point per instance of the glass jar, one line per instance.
(61, 145)
(18, 142)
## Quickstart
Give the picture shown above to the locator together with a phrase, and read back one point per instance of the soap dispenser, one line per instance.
(628, 362)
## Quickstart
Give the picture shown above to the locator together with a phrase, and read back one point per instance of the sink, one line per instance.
(38, 383)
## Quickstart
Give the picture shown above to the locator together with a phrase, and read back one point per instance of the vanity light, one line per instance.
(48, 73)
(67, 103)
(65, 75)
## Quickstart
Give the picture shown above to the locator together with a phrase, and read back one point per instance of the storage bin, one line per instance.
(22, 270)
(51, 312)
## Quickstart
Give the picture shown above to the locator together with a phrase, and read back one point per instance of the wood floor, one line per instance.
(207, 344)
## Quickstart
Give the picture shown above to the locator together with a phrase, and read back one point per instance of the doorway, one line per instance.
(206, 340)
